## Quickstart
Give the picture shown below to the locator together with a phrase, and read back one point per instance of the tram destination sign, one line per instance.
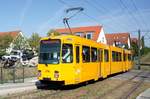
(50, 41)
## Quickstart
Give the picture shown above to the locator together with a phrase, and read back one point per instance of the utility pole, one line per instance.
(139, 45)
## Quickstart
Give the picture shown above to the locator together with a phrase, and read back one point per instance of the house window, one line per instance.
(78, 34)
(89, 35)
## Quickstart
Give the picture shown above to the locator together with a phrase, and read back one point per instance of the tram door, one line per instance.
(77, 64)
(106, 64)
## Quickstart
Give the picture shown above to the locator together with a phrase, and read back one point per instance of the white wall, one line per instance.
(129, 45)
(101, 37)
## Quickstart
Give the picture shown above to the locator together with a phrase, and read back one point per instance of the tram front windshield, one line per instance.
(49, 52)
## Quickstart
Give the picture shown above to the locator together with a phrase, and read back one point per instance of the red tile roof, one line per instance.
(117, 37)
(94, 29)
(12, 33)
(134, 40)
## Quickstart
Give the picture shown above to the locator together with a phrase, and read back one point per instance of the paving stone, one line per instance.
(144, 95)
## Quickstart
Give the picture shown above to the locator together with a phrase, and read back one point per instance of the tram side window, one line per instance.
(98, 55)
(94, 54)
(77, 54)
(129, 57)
(124, 57)
(113, 56)
(106, 56)
(85, 54)
(120, 56)
(101, 55)
(117, 56)
(67, 53)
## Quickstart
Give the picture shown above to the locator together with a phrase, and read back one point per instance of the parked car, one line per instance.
(28, 54)
(14, 55)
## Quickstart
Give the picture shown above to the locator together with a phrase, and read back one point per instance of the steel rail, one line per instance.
(117, 87)
(139, 83)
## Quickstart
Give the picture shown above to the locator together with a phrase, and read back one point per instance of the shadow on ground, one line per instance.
(54, 86)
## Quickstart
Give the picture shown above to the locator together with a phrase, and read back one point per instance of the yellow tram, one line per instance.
(71, 60)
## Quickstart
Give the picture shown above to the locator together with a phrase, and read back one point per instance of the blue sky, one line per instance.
(41, 15)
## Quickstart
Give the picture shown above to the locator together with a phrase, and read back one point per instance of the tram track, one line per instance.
(134, 82)
(119, 86)
(139, 83)
(100, 97)
(49, 95)
(125, 96)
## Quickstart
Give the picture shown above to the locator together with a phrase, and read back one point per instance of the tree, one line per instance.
(5, 41)
(49, 33)
(34, 41)
(134, 47)
(20, 43)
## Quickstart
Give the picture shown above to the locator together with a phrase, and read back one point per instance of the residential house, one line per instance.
(17, 37)
(134, 40)
(122, 40)
(95, 33)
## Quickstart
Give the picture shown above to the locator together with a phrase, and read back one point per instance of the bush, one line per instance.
(2, 52)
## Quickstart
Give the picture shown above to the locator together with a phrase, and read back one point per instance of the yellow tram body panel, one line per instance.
(129, 62)
(116, 63)
(88, 60)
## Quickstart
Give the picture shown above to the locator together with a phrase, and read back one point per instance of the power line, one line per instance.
(129, 12)
(147, 38)
(143, 31)
(139, 13)
(63, 2)
(90, 17)
(106, 10)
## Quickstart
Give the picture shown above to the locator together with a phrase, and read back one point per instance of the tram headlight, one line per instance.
(39, 73)
(56, 74)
